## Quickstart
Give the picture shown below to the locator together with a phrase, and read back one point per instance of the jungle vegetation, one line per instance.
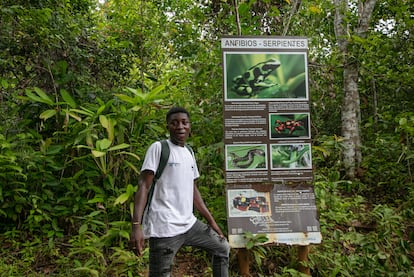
(84, 87)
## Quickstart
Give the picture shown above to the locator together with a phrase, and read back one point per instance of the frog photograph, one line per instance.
(289, 126)
(265, 75)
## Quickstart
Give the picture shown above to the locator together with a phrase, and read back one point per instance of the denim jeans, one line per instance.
(163, 250)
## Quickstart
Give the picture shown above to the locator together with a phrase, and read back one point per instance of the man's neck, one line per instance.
(178, 143)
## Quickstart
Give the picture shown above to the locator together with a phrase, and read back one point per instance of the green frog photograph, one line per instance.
(265, 76)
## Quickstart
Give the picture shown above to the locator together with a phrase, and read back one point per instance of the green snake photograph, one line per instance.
(291, 156)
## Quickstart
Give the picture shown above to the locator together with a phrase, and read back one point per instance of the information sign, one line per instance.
(267, 137)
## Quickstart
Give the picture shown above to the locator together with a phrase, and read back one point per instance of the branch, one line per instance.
(295, 8)
(364, 14)
(340, 26)
(236, 10)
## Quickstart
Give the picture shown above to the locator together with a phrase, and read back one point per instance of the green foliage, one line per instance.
(253, 243)
(406, 129)
(12, 177)
(211, 181)
(356, 241)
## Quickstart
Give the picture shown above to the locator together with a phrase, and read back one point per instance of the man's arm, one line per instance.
(140, 200)
(204, 212)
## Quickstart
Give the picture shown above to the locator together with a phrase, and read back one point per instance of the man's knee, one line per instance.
(224, 248)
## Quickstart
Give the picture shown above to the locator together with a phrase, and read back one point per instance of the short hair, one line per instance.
(175, 110)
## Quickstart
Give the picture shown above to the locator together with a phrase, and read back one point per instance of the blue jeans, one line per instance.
(163, 250)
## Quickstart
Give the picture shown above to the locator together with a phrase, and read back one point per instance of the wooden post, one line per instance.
(244, 261)
(303, 251)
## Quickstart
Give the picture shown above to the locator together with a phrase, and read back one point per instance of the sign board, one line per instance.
(267, 137)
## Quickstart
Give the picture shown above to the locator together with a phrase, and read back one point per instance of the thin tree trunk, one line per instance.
(375, 101)
(236, 11)
(350, 120)
(295, 7)
(350, 110)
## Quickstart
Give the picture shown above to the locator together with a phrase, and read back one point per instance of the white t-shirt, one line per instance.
(171, 209)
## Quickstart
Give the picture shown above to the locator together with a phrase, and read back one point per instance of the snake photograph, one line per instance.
(291, 156)
(252, 158)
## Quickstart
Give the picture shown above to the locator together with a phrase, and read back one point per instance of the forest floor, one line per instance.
(189, 265)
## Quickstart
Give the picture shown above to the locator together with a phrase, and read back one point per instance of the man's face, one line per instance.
(179, 126)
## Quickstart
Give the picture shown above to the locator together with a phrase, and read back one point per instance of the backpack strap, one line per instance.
(190, 149)
(165, 154)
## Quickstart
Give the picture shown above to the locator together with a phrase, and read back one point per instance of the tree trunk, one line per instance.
(350, 121)
(350, 110)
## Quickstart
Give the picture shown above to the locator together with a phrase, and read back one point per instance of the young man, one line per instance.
(169, 222)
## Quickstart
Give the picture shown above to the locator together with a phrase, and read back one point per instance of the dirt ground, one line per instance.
(186, 265)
